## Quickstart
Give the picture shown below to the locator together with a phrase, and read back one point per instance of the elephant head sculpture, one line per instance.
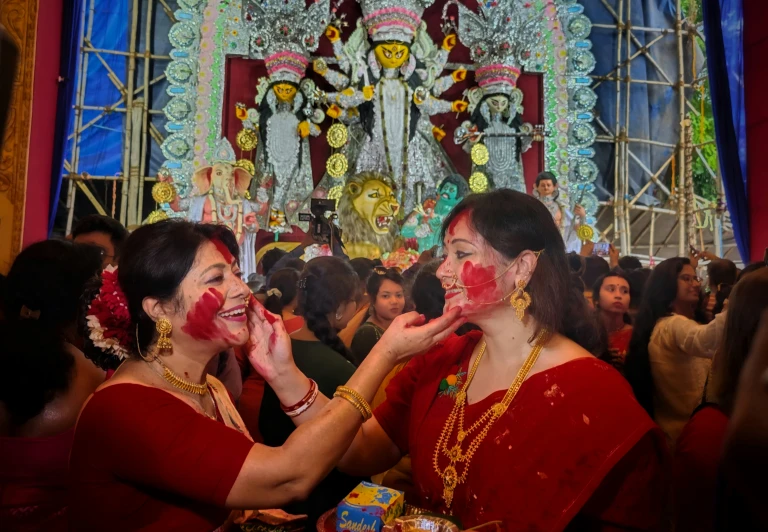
(227, 182)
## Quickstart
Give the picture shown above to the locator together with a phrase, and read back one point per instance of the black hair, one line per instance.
(598, 284)
(513, 222)
(296, 264)
(594, 268)
(629, 262)
(576, 263)
(156, 259)
(41, 302)
(722, 271)
(658, 298)
(325, 284)
(363, 268)
(375, 281)
(284, 280)
(637, 282)
(615, 272)
(269, 260)
(96, 223)
(721, 296)
(748, 302)
(428, 293)
(751, 268)
(546, 176)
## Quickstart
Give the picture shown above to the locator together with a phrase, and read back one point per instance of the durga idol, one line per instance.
(393, 82)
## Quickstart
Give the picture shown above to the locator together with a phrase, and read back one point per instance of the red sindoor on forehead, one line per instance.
(462, 216)
(223, 249)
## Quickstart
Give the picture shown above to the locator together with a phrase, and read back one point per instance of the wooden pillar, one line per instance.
(19, 18)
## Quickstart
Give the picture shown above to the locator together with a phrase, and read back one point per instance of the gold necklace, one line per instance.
(450, 475)
(177, 382)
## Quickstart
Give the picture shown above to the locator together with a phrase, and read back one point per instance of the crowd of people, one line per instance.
(505, 382)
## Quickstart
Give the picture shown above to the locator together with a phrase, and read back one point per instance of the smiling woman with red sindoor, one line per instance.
(160, 446)
(518, 423)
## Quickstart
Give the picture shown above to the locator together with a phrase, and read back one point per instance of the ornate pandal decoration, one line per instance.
(455, 283)
(406, 129)
(456, 454)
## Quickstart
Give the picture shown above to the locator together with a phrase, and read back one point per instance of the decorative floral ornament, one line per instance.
(108, 319)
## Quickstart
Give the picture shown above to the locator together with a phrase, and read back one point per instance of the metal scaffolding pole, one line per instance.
(668, 219)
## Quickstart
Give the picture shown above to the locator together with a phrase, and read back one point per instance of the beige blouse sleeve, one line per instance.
(690, 337)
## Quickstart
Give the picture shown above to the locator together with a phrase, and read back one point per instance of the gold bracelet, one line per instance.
(351, 400)
(358, 396)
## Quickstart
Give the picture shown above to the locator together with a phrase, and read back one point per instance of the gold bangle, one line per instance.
(358, 396)
(351, 400)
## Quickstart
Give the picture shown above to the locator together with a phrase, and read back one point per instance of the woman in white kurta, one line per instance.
(670, 353)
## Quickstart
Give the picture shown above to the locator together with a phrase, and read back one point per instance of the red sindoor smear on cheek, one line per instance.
(201, 320)
(480, 282)
(224, 250)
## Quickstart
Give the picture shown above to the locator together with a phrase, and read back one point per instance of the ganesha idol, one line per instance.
(220, 197)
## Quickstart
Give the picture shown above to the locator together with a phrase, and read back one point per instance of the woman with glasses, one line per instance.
(670, 353)
(386, 291)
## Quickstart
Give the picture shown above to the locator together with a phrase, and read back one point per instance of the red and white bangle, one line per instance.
(305, 404)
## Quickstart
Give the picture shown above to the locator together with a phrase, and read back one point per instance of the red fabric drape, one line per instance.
(46, 86)
(755, 89)
(243, 74)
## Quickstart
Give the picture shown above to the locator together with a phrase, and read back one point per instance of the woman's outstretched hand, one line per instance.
(408, 335)
(269, 346)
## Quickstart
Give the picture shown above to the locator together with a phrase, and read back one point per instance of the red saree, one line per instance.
(573, 448)
(33, 482)
(144, 460)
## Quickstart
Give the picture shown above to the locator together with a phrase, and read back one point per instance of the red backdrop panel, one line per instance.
(45, 90)
(756, 106)
(242, 75)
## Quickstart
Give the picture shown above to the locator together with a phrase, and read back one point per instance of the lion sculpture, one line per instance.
(367, 212)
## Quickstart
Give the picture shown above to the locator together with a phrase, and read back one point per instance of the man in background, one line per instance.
(103, 232)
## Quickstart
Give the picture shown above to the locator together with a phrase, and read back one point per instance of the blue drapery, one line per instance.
(70, 45)
(100, 150)
(723, 27)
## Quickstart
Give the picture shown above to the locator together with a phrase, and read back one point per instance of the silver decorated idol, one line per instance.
(499, 36)
(283, 33)
(388, 85)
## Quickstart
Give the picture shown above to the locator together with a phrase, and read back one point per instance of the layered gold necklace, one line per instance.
(456, 454)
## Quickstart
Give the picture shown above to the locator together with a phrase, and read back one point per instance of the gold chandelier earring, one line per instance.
(520, 300)
(164, 329)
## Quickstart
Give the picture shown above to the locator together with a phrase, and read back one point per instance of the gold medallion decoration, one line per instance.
(247, 139)
(163, 192)
(478, 182)
(337, 165)
(479, 154)
(157, 216)
(335, 193)
(337, 135)
(585, 232)
(246, 165)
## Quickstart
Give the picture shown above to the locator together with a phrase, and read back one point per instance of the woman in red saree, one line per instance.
(611, 298)
(159, 446)
(46, 380)
(518, 425)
